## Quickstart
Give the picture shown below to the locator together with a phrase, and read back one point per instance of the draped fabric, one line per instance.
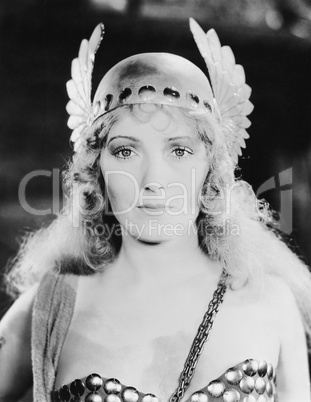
(49, 328)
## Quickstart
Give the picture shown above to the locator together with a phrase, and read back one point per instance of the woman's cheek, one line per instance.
(193, 186)
(122, 190)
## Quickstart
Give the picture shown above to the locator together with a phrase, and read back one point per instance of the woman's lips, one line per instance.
(158, 207)
(152, 206)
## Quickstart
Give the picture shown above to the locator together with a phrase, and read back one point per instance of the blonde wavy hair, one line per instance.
(73, 244)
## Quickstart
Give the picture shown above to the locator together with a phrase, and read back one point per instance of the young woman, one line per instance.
(119, 296)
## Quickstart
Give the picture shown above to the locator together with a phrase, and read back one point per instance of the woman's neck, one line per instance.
(179, 259)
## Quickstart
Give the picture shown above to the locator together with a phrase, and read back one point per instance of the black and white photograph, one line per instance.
(155, 201)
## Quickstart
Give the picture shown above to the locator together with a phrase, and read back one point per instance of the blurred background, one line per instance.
(38, 40)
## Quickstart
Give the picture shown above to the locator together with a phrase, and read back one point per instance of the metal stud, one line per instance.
(273, 388)
(150, 398)
(147, 92)
(250, 367)
(77, 388)
(274, 376)
(261, 398)
(93, 397)
(112, 386)
(94, 382)
(193, 99)
(249, 398)
(233, 376)
(269, 389)
(130, 394)
(232, 395)
(262, 368)
(260, 385)
(270, 371)
(199, 396)
(64, 393)
(247, 385)
(112, 398)
(125, 95)
(171, 94)
(216, 388)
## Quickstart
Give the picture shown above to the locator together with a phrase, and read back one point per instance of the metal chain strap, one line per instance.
(200, 339)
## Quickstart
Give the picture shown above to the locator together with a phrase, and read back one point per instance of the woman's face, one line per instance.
(154, 165)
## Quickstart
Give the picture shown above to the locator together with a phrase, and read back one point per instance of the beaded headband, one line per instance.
(163, 78)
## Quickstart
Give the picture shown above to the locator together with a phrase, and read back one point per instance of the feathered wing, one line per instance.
(229, 87)
(79, 87)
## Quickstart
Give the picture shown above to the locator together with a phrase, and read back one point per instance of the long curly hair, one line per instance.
(233, 227)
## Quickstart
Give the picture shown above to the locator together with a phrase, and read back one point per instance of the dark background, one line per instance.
(38, 40)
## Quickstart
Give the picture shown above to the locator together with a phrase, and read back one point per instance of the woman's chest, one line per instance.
(148, 354)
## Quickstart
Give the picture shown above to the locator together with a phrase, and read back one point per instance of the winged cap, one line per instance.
(163, 78)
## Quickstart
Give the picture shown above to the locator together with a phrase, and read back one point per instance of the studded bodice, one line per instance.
(249, 381)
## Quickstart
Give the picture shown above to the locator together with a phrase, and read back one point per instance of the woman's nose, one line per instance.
(154, 187)
(154, 175)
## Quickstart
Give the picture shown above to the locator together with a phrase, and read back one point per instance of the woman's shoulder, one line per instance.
(15, 346)
(18, 315)
(273, 296)
(283, 301)
(16, 322)
(278, 293)
(269, 292)
(293, 373)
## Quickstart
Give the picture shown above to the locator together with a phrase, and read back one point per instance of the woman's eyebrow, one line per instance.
(181, 137)
(123, 136)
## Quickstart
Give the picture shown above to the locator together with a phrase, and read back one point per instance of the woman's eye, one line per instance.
(181, 152)
(122, 152)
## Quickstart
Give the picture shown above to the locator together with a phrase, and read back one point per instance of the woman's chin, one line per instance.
(154, 238)
(149, 242)
(149, 239)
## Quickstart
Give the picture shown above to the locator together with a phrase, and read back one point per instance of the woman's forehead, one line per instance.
(154, 119)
